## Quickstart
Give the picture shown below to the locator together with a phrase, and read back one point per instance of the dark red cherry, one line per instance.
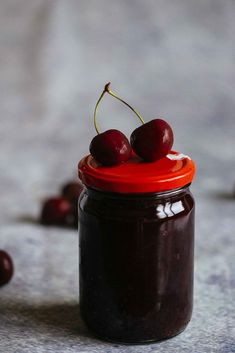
(71, 191)
(153, 140)
(6, 267)
(54, 211)
(110, 148)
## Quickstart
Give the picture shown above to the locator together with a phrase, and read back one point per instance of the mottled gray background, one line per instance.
(174, 59)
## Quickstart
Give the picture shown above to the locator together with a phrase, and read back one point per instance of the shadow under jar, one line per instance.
(136, 250)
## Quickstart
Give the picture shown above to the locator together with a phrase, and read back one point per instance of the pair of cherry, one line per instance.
(62, 210)
(150, 141)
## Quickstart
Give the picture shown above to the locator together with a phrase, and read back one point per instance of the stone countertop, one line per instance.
(173, 59)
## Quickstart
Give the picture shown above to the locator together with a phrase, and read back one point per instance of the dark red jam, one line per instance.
(136, 264)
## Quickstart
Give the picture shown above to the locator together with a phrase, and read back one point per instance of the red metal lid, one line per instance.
(136, 176)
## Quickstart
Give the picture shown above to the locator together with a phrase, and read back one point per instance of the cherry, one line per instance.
(71, 191)
(153, 140)
(55, 210)
(6, 267)
(110, 147)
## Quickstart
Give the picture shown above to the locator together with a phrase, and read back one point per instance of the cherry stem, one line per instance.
(107, 90)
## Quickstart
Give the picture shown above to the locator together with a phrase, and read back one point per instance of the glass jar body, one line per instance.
(136, 264)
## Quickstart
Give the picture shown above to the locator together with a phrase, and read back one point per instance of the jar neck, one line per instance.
(153, 195)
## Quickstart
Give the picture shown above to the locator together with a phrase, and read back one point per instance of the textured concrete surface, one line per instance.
(173, 59)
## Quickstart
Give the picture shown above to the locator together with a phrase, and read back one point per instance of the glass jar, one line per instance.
(136, 257)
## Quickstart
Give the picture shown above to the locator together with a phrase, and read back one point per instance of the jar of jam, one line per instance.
(136, 248)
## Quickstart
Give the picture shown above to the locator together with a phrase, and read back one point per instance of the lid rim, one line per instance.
(179, 175)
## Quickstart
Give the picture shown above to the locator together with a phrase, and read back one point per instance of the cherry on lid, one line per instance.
(136, 176)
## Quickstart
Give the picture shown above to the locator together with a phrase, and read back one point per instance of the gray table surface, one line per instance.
(169, 59)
